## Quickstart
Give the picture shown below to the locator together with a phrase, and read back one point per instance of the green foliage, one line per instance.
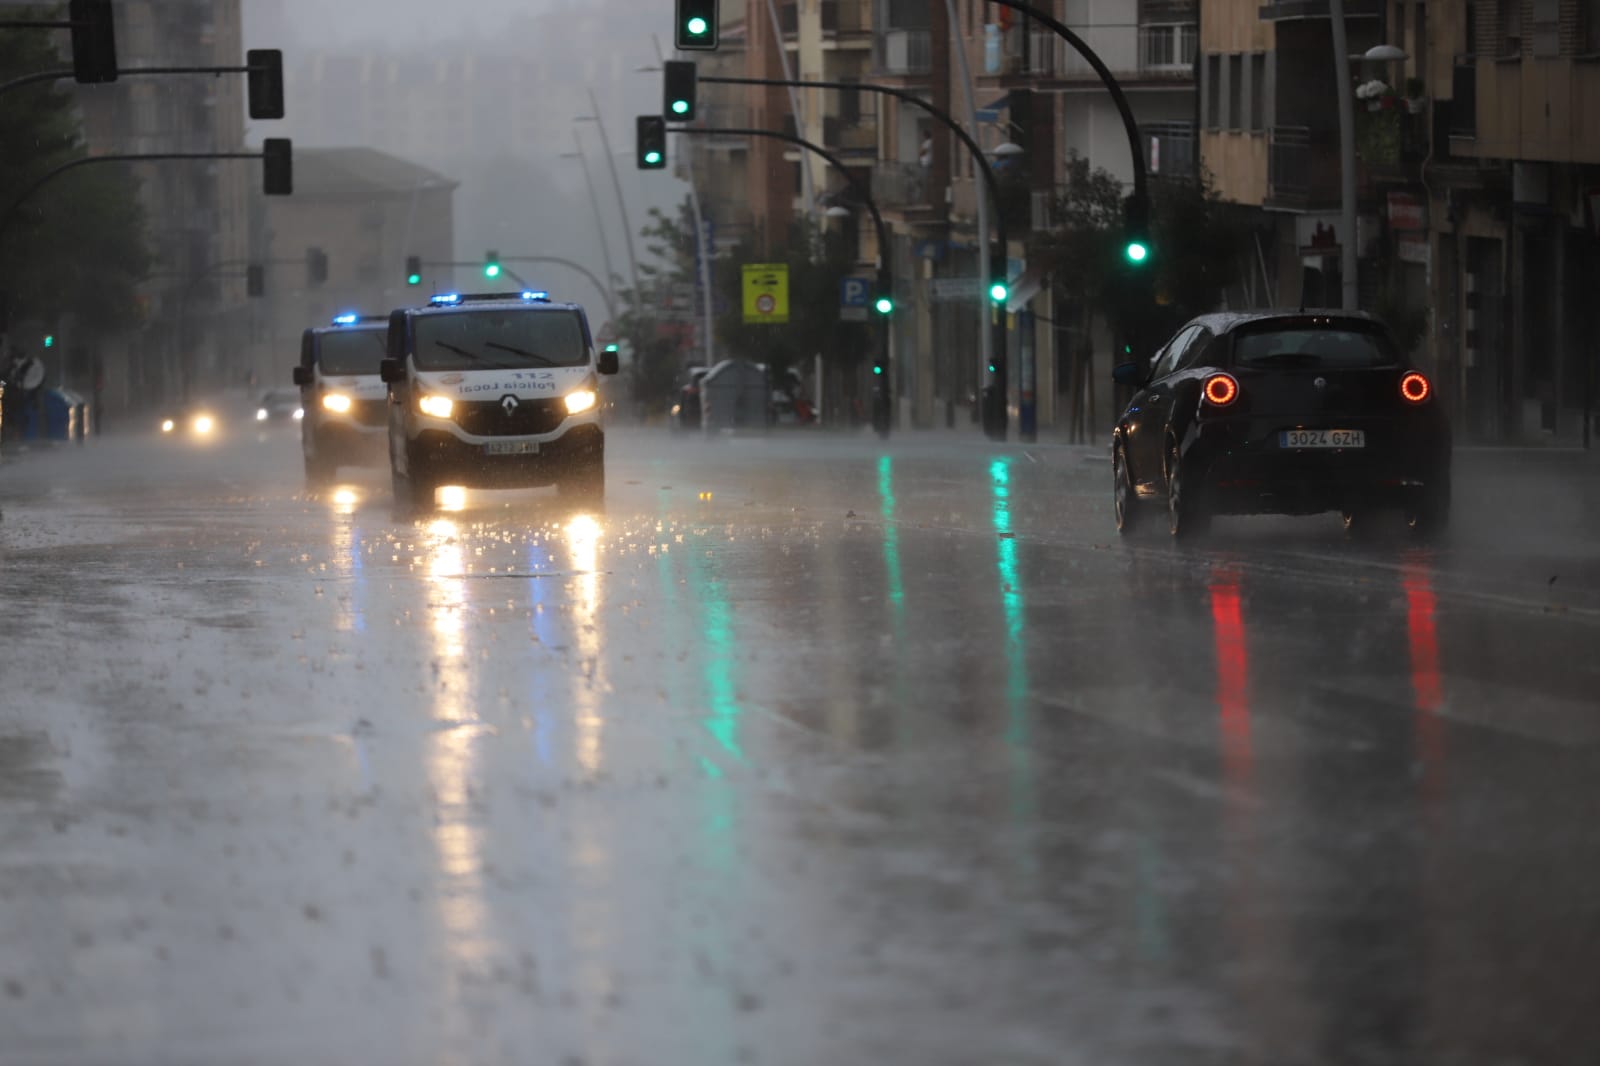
(817, 263)
(1194, 252)
(77, 244)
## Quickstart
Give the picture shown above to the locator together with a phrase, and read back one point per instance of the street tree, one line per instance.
(78, 245)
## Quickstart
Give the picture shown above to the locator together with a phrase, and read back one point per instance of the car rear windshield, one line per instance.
(352, 351)
(1313, 348)
(497, 338)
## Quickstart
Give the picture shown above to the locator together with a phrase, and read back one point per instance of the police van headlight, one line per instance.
(337, 402)
(436, 406)
(580, 401)
(261, 414)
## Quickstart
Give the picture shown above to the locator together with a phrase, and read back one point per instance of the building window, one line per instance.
(1258, 92)
(1213, 75)
(1510, 28)
(1546, 28)
(1236, 119)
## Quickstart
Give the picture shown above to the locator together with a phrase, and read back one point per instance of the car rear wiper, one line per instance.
(547, 361)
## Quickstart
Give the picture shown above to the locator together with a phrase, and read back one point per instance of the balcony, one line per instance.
(1168, 49)
(851, 136)
(905, 52)
(1302, 169)
(1282, 10)
(846, 17)
(900, 185)
(1169, 149)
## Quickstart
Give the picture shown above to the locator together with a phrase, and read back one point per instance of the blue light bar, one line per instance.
(446, 298)
(535, 294)
(349, 318)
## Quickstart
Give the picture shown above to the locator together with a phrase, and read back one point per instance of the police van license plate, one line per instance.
(1322, 438)
(511, 447)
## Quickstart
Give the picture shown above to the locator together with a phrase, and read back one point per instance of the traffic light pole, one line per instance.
(882, 391)
(42, 76)
(143, 157)
(996, 319)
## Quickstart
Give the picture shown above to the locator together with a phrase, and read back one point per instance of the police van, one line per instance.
(494, 390)
(345, 405)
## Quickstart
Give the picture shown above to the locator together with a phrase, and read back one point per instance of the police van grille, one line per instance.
(528, 418)
(370, 412)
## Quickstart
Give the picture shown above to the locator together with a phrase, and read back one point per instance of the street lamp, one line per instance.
(1348, 280)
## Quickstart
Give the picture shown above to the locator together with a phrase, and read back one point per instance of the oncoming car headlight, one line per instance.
(580, 401)
(337, 402)
(204, 424)
(436, 406)
(261, 414)
(168, 425)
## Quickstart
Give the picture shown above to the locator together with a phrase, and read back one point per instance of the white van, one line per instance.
(344, 409)
(498, 390)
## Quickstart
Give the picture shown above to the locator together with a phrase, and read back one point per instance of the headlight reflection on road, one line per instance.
(452, 751)
(345, 500)
(583, 549)
(452, 498)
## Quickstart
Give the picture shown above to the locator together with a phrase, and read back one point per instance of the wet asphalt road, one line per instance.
(801, 751)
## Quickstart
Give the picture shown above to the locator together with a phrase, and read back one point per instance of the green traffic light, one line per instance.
(680, 107)
(413, 279)
(1137, 251)
(884, 305)
(491, 270)
(697, 26)
(652, 158)
(998, 292)
(877, 369)
(49, 340)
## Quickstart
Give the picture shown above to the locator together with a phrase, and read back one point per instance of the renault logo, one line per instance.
(1320, 383)
(508, 404)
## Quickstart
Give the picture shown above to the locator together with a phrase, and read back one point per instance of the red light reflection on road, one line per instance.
(1233, 675)
(1416, 578)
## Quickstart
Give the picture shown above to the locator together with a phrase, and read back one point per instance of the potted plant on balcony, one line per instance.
(1378, 127)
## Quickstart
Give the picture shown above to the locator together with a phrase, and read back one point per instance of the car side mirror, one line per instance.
(1128, 374)
(302, 376)
(608, 361)
(392, 371)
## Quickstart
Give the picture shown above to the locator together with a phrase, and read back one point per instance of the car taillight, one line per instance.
(1221, 390)
(1414, 388)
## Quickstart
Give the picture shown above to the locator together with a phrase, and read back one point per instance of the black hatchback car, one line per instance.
(1280, 412)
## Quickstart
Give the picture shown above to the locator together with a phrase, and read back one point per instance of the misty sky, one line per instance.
(534, 201)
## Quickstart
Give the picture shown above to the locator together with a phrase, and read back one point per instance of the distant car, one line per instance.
(684, 414)
(279, 405)
(1295, 412)
(346, 403)
(197, 421)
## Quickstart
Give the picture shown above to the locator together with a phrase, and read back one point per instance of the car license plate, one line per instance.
(511, 447)
(1322, 438)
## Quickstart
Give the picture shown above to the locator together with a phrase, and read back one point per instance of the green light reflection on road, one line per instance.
(1012, 604)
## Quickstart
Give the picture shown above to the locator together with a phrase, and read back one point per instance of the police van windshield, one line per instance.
(353, 351)
(499, 338)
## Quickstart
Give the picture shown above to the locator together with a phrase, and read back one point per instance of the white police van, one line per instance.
(496, 390)
(346, 418)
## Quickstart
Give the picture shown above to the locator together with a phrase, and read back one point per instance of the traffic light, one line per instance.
(277, 169)
(255, 280)
(999, 290)
(491, 264)
(49, 340)
(1136, 229)
(884, 304)
(678, 80)
(264, 82)
(651, 142)
(413, 270)
(316, 266)
(94, 42)
(696, 26)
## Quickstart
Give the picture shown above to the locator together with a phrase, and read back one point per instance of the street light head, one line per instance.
(1384, 53)
(1007, 149)
(837, 212)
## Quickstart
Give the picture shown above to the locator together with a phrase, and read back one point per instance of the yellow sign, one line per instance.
(766, 292)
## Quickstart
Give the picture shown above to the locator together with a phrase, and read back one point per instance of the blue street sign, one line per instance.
(855, 292)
